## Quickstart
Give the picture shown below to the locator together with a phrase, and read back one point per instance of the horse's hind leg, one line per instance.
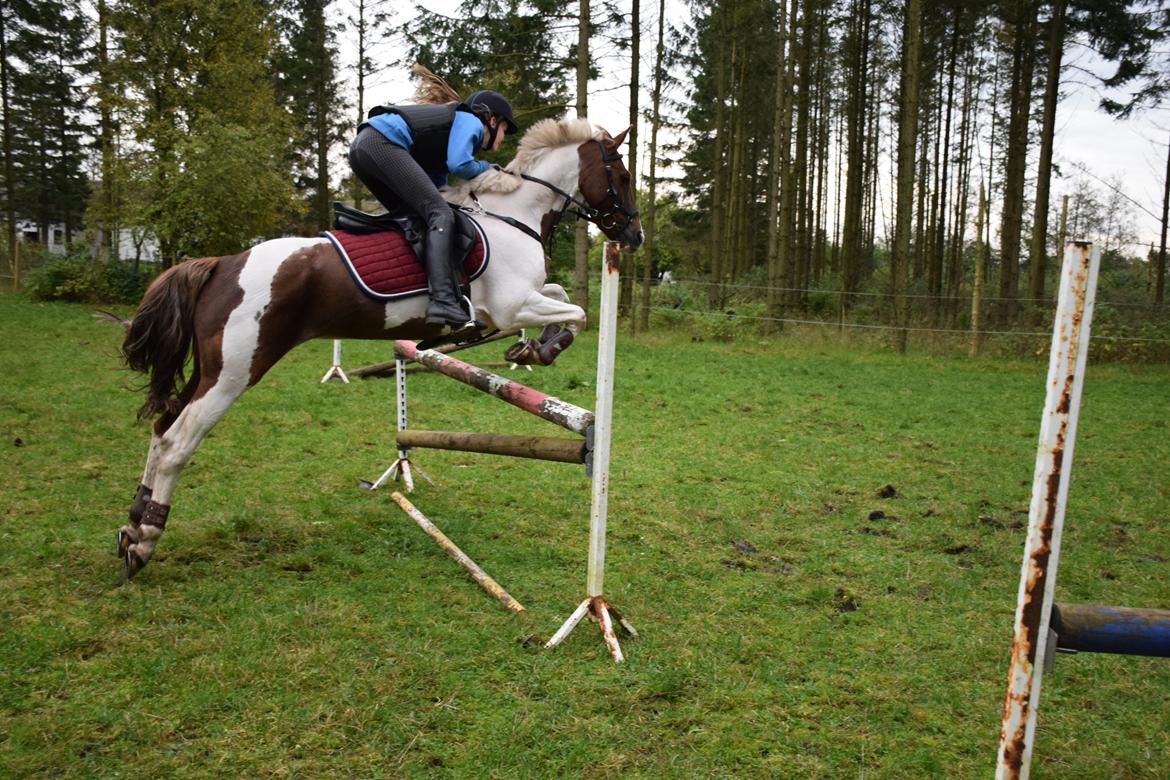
(128, 535)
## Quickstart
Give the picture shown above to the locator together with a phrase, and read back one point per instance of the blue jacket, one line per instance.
(466, 137)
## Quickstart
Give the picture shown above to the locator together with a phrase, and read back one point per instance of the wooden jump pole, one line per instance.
(536, 447)
(449, 547)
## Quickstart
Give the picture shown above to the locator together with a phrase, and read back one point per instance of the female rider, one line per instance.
(403, 154)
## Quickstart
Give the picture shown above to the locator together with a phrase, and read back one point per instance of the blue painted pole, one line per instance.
(1089, 628)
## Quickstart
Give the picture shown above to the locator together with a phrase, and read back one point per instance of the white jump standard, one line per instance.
(595, 602)
(336, 371)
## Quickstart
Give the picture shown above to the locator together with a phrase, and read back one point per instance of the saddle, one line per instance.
(383, 252)
(410, 225)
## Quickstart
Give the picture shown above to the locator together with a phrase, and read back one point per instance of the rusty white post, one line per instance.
(602, 428)
(336, 371)
(1058, 428)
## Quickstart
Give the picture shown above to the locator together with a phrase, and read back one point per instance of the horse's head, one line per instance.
(604, 182)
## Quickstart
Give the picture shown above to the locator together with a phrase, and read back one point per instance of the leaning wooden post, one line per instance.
(1058, 430)
(479, 575)
(595, 602)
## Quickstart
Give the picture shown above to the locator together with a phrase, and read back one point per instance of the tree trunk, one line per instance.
(855, 176)
(1023, 60)
(108, 224)
(9, 184)
(581, 234)
(918, 250)
(802, 169)
(323, 194)
(1039, 253)
(779, 182)
(718, 174)
(944, 175)
(1160, 273)
(907, 143)
(651, 224)
(959, 229)
(356, 184)
(629, 257)
(977, 292)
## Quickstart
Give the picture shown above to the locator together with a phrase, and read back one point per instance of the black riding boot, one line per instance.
(446, 306)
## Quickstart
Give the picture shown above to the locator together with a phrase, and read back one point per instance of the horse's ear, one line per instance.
(620, 137)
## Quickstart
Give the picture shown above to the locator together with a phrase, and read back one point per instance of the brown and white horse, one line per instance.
(239, 315)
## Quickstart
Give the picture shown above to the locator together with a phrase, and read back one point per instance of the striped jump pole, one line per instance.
(554, 410)
(1058, 430)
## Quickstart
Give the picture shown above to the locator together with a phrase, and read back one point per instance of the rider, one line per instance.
(403, 153)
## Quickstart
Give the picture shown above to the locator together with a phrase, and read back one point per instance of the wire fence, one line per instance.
(886, 295)
(672, 311)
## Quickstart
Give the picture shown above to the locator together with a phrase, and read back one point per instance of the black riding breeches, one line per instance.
(397, 180)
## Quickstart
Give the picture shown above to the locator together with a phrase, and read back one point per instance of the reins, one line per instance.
(603, 219)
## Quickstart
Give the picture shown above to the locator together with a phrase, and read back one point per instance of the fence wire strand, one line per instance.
(925, 296)
(910, 329)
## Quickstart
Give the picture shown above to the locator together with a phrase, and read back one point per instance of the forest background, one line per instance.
(876, 167)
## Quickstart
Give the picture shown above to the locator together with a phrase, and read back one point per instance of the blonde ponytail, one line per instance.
(432, 88)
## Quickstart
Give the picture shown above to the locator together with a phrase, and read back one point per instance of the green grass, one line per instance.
(292, 625)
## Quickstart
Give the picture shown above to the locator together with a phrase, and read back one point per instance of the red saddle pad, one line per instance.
(384, 266)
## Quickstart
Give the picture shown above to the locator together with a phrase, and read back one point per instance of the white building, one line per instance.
(131, 243)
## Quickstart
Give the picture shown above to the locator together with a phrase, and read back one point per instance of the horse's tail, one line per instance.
(162, 331)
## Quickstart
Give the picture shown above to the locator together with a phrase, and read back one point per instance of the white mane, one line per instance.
(537, 141)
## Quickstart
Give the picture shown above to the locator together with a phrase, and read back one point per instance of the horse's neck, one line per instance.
(531, 201)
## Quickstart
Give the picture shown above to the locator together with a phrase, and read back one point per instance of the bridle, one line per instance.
(605, 218)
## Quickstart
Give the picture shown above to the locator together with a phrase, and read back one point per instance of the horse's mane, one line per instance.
(549, 134)
(537, 141)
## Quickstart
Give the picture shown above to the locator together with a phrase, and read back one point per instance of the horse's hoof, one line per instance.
(126, 537)
(522, 353)
(131, 564)
(548, 350)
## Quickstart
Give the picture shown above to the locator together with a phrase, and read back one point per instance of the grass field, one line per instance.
(292, 625)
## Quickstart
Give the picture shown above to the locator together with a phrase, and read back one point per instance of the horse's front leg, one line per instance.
(561, 321)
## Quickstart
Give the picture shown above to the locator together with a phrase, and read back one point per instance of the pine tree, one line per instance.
(309, 89)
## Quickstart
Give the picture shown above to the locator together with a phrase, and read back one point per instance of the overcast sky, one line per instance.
(1133, 151)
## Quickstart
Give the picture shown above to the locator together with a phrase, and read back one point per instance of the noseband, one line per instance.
(606, 220)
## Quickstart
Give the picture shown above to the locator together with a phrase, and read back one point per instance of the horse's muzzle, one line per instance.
(632, 236)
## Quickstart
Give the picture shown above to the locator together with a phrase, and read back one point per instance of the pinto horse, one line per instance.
(238, 315)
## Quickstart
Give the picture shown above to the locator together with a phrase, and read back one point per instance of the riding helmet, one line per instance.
(490, 101)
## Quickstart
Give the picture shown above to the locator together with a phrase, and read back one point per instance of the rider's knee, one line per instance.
(440, 218)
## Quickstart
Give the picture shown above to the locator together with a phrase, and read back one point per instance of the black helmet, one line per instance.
(490, 101)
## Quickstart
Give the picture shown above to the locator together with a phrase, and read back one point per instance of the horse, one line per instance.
(237, 315)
